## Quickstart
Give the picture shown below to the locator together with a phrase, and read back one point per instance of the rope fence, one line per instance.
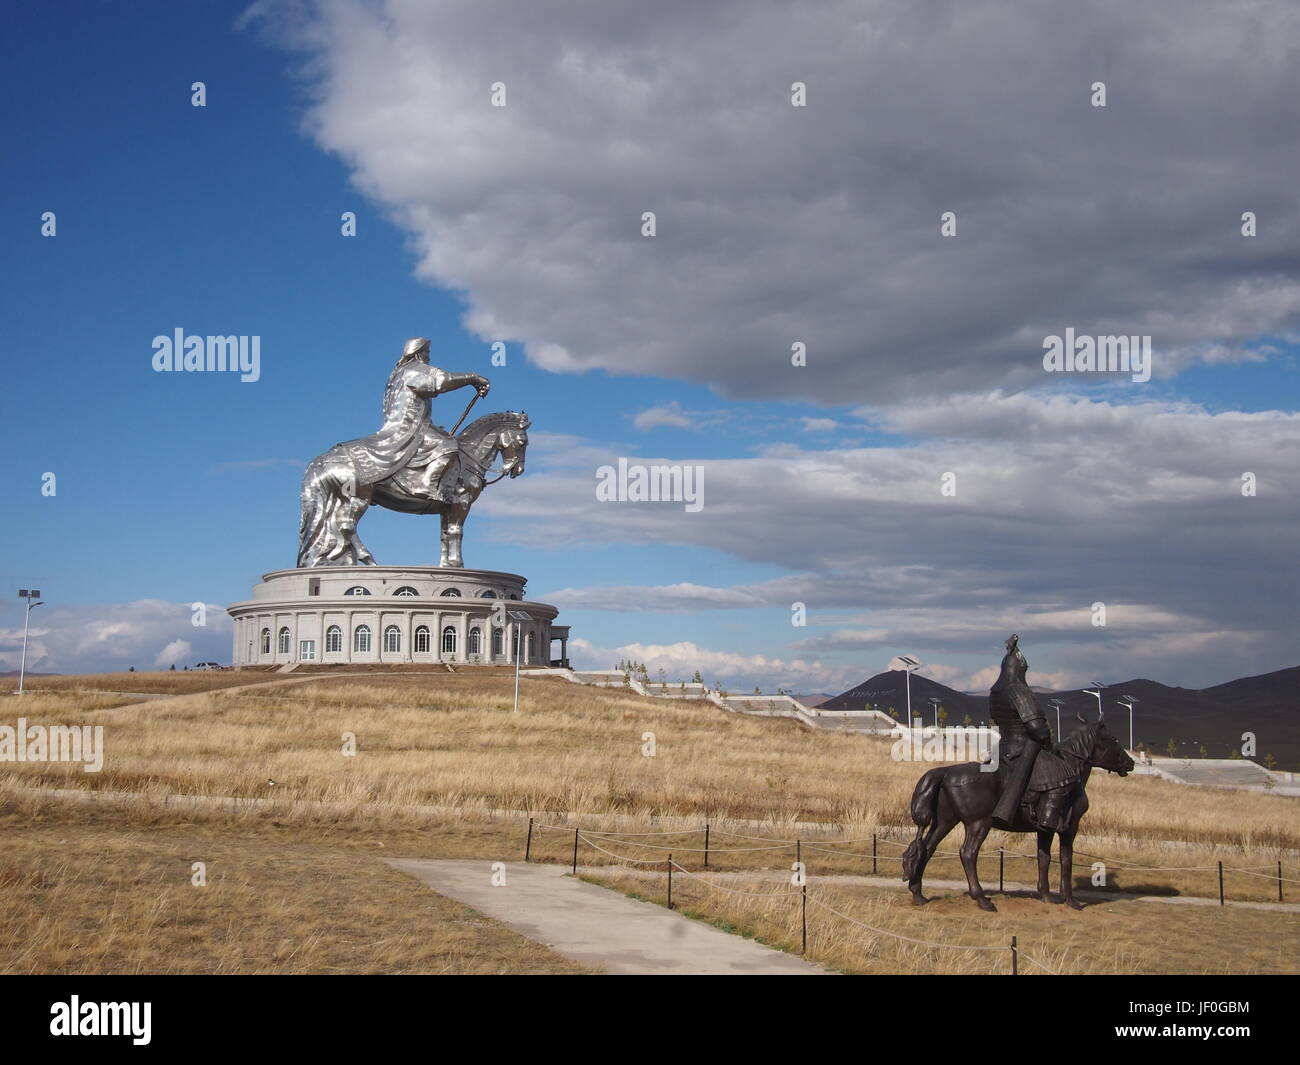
(601, 841)
(823, 846)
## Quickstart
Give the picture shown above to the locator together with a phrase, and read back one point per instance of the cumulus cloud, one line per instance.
(668, 414)
(177, 652)
(821, 224)
(112, 637)
(1137, 507)
(679, 661)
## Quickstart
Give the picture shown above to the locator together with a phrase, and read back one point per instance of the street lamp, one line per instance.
(29, 594)
(934, 702)
(907, 663)
(518, 616)
(1129, 700)
(1100, 688)
(1058, 703)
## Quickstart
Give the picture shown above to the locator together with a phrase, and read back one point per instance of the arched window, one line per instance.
(333, 640)
(284, 640)
(407, 591)
(496, 642)
(475, 641)
(489, 594)
(528, 649)
(357, 590)
(392, 639)
(361, 639)
(266, 641)
(512, 596)
(449, 640)
(422, 639)
(450, 593)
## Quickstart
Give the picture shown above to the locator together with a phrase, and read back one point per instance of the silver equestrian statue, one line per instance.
(410, 465)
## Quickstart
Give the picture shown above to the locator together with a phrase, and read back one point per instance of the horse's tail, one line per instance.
(925, 801)
(317, 504)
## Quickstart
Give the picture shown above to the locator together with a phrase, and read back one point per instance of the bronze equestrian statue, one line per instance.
(1032, 787)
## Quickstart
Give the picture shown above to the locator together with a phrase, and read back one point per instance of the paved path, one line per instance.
(598, 927)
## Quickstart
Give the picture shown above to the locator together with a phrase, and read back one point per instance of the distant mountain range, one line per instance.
(1213, 718)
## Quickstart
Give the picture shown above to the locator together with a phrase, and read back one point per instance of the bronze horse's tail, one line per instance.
(925, 800)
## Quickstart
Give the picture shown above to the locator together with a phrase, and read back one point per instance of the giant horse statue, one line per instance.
(1034, 786)
(410, 465)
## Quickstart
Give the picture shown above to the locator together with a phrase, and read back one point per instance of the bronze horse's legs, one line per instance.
(1067, 868)
(976, 831)
(1044, 864)
(945, 819)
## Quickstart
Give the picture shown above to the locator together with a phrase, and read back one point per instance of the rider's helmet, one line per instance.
(415, 348)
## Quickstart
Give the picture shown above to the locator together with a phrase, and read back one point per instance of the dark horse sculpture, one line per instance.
(968, 793)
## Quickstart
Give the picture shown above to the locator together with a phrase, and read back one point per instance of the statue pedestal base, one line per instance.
(393, 614)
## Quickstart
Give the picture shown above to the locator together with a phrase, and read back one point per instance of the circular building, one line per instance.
(394, 614)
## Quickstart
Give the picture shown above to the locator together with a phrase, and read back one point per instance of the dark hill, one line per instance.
(1210, 718)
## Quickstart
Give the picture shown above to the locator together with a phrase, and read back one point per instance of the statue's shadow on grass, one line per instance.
(1083, 883)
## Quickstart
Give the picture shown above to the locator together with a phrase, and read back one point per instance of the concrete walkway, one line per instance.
(598, 927)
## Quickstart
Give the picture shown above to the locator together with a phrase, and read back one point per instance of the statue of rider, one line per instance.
(409, 448)
(1023, 731)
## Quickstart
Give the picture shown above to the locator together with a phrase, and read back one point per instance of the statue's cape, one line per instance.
(396, 448)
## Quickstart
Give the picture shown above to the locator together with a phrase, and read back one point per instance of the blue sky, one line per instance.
(226, 220)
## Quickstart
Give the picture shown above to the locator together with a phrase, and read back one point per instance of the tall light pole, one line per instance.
(934, 702)
(29, 594)
(1057, 703)
(907, 663)
(517, 616)
(1100, 688)
(1129, 700)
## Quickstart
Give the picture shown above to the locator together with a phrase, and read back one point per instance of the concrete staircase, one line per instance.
(1223, 773)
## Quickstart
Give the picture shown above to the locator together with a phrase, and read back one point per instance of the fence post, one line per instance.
(1015, 959)
(798, 851)
(575, 852)
(1220, 883)
(1001, 868)
(670, 881)
(803, 916)
(1279, 880)
(873, 854)
(528, 847)
(706, 844)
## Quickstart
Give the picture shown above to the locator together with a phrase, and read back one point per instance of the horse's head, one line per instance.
(513, 445)
(1106, 751)
(505, 433)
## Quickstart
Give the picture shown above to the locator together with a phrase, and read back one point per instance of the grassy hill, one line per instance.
(296, 885)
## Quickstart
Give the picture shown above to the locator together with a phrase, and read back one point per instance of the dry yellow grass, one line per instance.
(109, 891)
(451, 740)
(436, 753)
(1115, 937)
(164, 682)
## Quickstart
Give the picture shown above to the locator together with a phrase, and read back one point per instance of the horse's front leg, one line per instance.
(976, 832)
(453, 531)
(1067, 869)
(1044, 864)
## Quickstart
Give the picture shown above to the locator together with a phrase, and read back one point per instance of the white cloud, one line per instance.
(821, 224)
(178, 652)
(679, 661)
(819, 425)
(112, 637)
(670, 415)
(1060, 503)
